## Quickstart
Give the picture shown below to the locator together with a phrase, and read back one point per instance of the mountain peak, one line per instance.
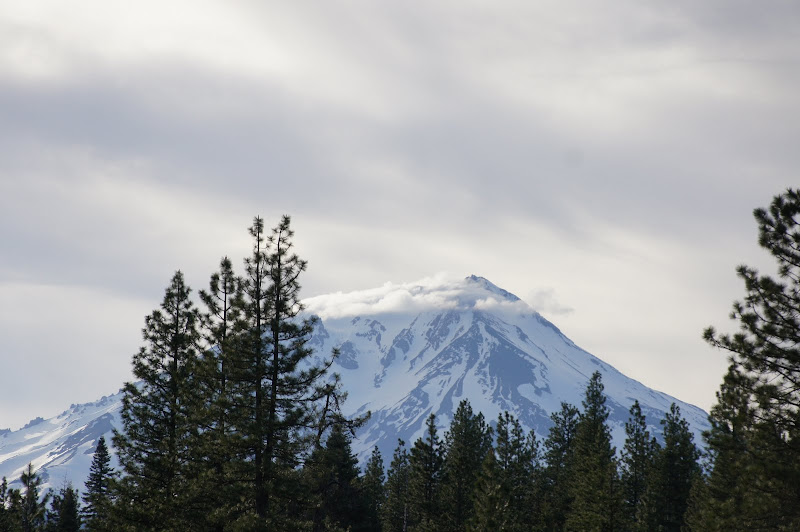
(491, 287)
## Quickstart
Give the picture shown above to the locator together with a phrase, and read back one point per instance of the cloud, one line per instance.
(544, 300)
(440, 292)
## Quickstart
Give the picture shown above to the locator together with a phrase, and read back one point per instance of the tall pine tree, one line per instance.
(676, 470)
(331, 477)
(156, 418)
(730, 499)
(97, 499)
(765, 358)
(516, 458)
(491, 498)
(466, 445)
(594, 485)
(217, 465)
(395, 512)
(559, 451)
(278, 384)
(638, 457)
(7, 507)
(425, 474)
(372, 484)
(32, 507)
(64, 514)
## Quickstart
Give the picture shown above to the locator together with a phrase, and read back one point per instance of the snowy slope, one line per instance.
(407, 350)
(411, 350)
(60, 448)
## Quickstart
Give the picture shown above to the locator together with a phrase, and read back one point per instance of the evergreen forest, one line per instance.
(234, 423)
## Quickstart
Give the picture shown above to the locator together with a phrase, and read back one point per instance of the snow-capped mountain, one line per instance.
(406, 351)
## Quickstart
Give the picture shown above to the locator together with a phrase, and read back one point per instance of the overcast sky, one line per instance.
(600, 160)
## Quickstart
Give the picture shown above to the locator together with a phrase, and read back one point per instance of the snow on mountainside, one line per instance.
(407, 350)
(62, 447)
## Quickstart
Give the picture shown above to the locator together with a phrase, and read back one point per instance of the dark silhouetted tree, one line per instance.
(517, 471)
(64, 514)
(491, 498)
(372, 484)
(763, 418)
(97, 499)
(331, 474)
(31, 506)
(425, 473)
(676, 469)
(594, 485)
(395, 512)
(217, 464)
(466, 445)
(156, 417)
(278, 385)
(638, 458)
(559, 450)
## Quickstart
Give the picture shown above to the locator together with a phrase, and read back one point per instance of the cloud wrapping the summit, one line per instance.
(440, 292)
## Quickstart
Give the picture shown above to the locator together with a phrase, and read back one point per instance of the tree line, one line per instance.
(482, 478)
(478, 477)
(234, 424)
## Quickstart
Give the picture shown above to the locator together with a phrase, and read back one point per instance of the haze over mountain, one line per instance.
(406, 351)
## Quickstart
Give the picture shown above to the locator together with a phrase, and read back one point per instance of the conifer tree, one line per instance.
(676, 469)
(466, 445)
(216, 465)
(516, 462)
(594, 484)
(765, 358)
(395, 512)
(251, 374)
(331, 475)
(638, 457)
(64, 514)
(491, 498)
(97, 499)
(8, 507)
(156, 417)
(425, 473)
(279, 386)
(559, 450)
(372, 485)
(32, 508)
(730, 499)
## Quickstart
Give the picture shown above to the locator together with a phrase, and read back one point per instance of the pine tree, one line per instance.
(152, 448)
(278, 385)
(372, 485)
(765, 358)
(331, 475)
(97, 499)
(491, 498)
(425, 473)
(466, 445)
(394, 513)
(64, 514)
(730, 498)
(638, 456)
(516, 459)
(32, 507)
(216, 464)
(559, 450)
(8, 507)
(676, 469)
(594, 484)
